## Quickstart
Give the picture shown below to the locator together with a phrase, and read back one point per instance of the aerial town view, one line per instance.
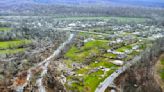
(81, 46)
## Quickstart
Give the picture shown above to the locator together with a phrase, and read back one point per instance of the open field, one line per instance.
(5, 29)
(13, 44)
(12, 47)
(12, 51)
(119, 19)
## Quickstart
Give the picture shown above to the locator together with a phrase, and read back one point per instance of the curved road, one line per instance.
(109, 80)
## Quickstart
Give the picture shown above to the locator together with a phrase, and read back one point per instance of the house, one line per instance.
(135, 47)
(114, 52)
(72, 25)
(121, 56)
(128, 51)
(117, 62)
(89, 39)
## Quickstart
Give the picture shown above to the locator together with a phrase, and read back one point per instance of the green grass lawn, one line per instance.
(13, 44)
(110, 55)
(92, 47)
(162, 70)
(90, 81)
(4, 29)
(162, 61)
(124, 48)
(12, 47)
(11, 51)
(162, 73)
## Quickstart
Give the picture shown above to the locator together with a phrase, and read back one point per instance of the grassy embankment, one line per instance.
(162, 68)
(159, 69)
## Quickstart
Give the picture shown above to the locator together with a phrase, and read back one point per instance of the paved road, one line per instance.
(109, 81)
(97, 33)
